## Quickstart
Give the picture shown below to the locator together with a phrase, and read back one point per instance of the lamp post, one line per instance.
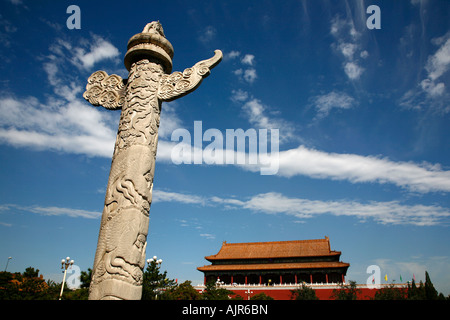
(155, 258)
(65, 264)
(248, 292)
(157, 262)
(219, 283)
(9, 258)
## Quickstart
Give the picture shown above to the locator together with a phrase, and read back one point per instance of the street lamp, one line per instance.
(9, 258)
(219, 283)
(248, 292)
(155, 259)
(65, 264)
(157, 262)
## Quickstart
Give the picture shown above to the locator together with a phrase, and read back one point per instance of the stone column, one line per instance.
(120, 256)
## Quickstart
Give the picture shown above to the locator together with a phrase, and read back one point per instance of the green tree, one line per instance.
(430, 291)
(155, 282)
(423, 291)
(391, 293)
(261, 296)
(346, 292)
(214, 292)
(85, 278)
(31, 273)
(183, 291)
(416, 292)
(26, 286)
(304, 293)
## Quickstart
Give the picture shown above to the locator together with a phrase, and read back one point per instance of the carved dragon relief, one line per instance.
(124, 224)
(122, 242)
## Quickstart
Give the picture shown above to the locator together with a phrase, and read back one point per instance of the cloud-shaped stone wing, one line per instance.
(178, 84)
(106, 91)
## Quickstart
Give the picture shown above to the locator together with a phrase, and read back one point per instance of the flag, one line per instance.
(385, 277)
(401, 278)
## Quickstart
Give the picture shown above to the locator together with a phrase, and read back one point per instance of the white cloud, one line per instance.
(55, 211)
(69, 127)
(64, 122)
(164, 196)
(391, 212)
(99, 50)
(439, 62)
(347, 49)
(246, 72)
(431, 88)
(248, 59)
(362, 169)
(239, 95)
(431, 91)
(352, 70)
(303, 161)
(250, 75)
(259, 115)
(238, 72)
(383, 212)
(326, 102)
(348, 45)
(74, 127)
(207, 34)
(231, 55)
(208, 236)
(169, 120)
(6, 224)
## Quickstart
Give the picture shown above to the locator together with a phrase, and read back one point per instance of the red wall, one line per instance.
(285, 294)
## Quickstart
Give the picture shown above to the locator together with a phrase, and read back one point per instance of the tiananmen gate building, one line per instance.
(276, 263)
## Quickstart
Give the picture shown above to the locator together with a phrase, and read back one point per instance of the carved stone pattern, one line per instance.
(139, 120)
(178, 83)
(121, 250)
(120, 255)
(106, 91)
(123, 232)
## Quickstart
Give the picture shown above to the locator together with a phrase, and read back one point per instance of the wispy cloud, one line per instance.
(99, 50)
(165, 196)
(363, 169)
(432, 90)
(54, 211)
(245, 71)
(208, 236)
(262, 116)
(77, 128)
(64, 121)
(63, 126)
(348, 46)
(207, 34)
(248, 59)
(391, 212)
(332, 100)
(6, 31)
(5, 224)
(304, 161)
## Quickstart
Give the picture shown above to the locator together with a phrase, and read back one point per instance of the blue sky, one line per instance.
(363, 116)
